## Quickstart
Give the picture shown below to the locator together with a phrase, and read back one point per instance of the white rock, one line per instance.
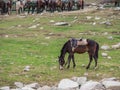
(88, 17)
(41, 28)
(109, 79)
(67, 84)
(94, 23)
(46, 88)
(19, 84)
(81, 80)
(27, 68)
(110, 38)
(32, 27)
(92, 85)
(86, 74)
(105, 47)
(27, 88)
(97, 18)
(104, 54)
(33, 85)
(61, 24)
(108, 84)
(5, 88)
(47, 37)
(6, 36)
(105, 33)
(109, 57)
(52, 21)
(115, 46)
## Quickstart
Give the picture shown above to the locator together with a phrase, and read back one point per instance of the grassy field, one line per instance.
(39, 48)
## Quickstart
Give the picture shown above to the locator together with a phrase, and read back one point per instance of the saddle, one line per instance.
(77, 42)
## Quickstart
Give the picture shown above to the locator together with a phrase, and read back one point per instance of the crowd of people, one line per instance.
(32, 6)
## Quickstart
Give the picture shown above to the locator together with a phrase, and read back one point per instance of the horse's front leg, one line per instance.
(73, 59)
(69, 60)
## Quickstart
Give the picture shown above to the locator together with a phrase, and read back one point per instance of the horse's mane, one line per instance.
(64, 48)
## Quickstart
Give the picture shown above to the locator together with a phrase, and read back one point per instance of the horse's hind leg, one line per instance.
(90, 60)
(95, 58)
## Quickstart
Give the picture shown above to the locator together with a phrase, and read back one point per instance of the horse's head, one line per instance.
(61, 62)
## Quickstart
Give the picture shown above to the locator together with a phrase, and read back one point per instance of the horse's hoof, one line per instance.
(95, 68)
(87, 67)
(68, 67)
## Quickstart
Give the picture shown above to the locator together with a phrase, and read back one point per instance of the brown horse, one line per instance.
(60, 5)
(70, 5)
(2, 5)
(9, 6)
(80, 4)
(73, 46)
(40, 6)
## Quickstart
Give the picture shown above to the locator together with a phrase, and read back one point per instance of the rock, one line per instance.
(80, 80)
(47, 37)
(94, 23)
(117, 9)
(19, 84)
(6, 36)
(105, 47)
(46, 88)
(33, 85)
(109, 57)
(41, 28)
(109, 79)
(61, 24)
(110, 38)
(27, 68)
(104, 54)
(86, 74)
(26, 88)
(67, 84)
(88, 17)
(5, 88)
(97, 18)
(105, 33)
(115, 46)
(52, 21)
(106, 23)
(109, 84)
(32, 27)
(92, 85)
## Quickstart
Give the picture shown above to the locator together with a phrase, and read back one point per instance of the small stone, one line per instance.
(19, 84)
(104, 54)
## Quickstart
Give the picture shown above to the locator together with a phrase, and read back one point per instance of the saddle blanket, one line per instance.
(76, 42)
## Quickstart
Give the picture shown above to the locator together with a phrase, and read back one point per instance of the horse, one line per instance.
(40, 5)
(80, 4)
(5, 6)
(70, 4)
(9, 6)
(60, 5)
(79, 46)
(2, 5)
(30, 5)
(52, 5)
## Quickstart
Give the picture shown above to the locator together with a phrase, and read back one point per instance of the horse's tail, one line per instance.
(97, 50)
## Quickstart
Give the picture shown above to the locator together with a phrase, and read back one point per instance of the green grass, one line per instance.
(21, 46)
